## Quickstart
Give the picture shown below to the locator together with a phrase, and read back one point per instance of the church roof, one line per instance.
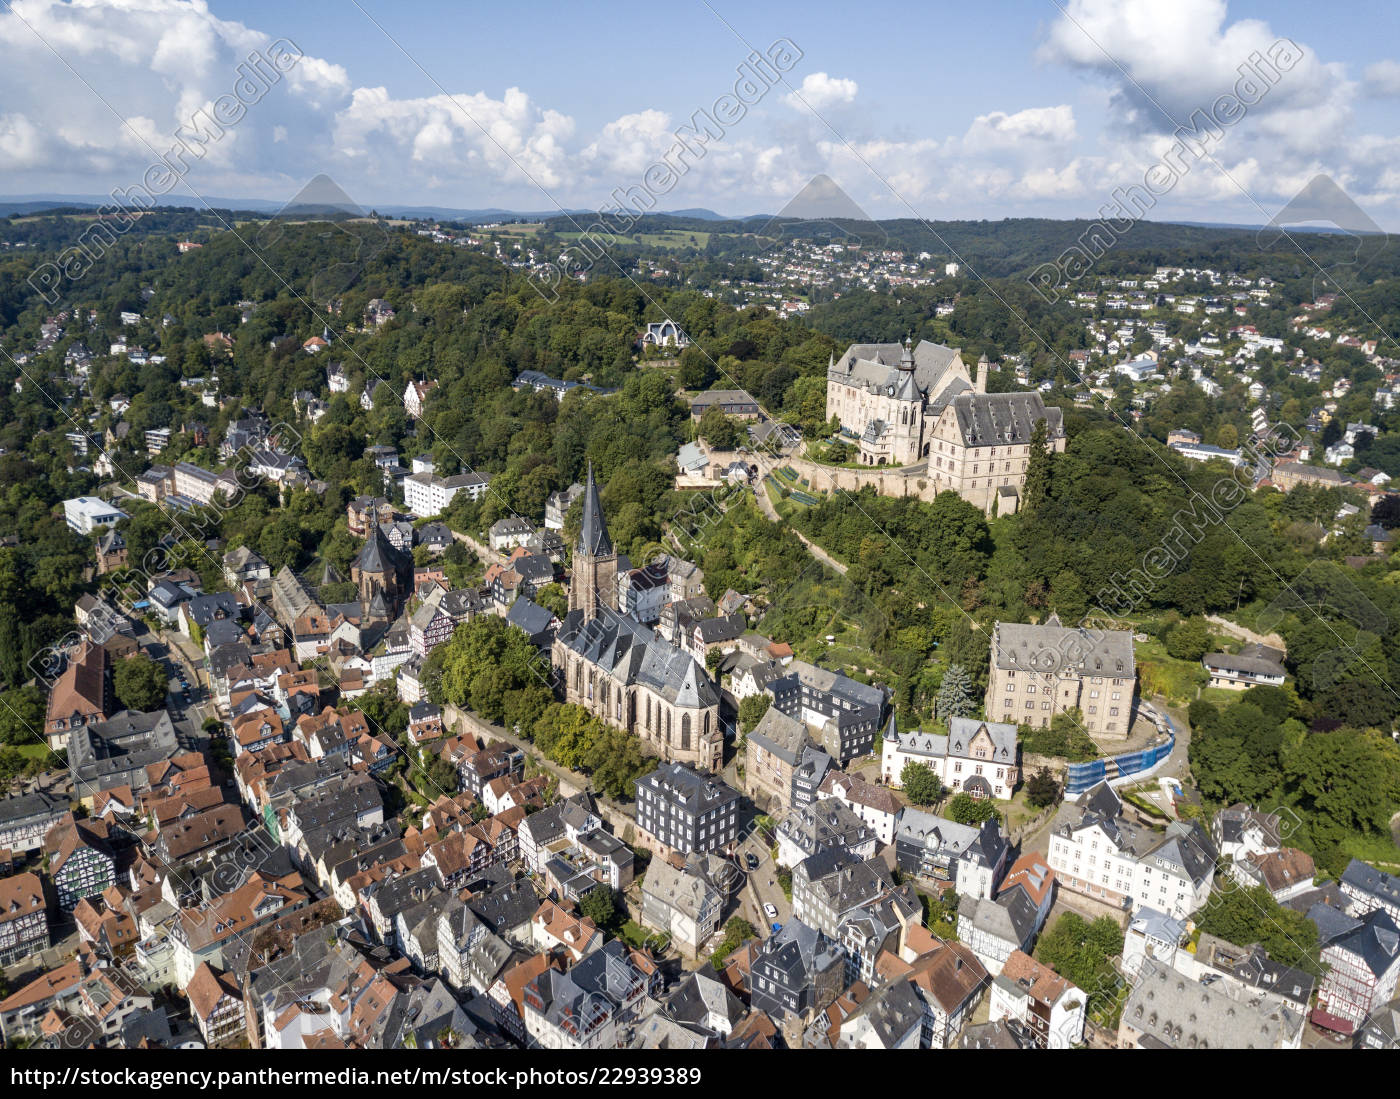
(631, 653)
(593, 533)
(876, 365)
(377, 556)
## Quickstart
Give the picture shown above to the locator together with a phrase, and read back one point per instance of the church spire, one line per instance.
(593, 537)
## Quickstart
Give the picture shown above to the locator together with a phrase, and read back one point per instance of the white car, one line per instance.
(770, 911)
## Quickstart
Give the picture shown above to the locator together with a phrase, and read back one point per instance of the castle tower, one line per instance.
(594, 582)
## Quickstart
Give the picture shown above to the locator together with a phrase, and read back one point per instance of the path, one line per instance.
(486, 553)
(464, 721)
(1273, 640)
(819, 553)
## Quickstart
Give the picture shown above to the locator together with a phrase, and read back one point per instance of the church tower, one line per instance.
(906, 412)
(594, 582)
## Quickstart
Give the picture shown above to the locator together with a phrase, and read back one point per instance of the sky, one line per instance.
(1023, 108)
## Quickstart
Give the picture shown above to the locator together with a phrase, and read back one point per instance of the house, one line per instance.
(216, 1005)
(584, 1006)
(1096, 850)
(890, 1018)
(1253, 666)
(1285, 873)
(1362, 969)
(782, 768)
(873, 805)
(970, 859)
(950, 981)
(560, 825)
(732, 402)
(112, 553)
(843, 713)
(426, 494)
(976, 757)
(1040, 671)
(507, 534)
(997, 929)
(824, 825)
(24, 918)
(470, 954)
(415, 397)
(795, 973)
(1368, 889)
(86, 514)
(557, 504)
(1239, 831)
(80, 859)
(680, 809)
(681, 904)
(1168, 1010)
(25, 820)
(81, 694)
(1034, 995)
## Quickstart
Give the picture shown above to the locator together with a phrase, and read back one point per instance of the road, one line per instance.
(762, 886)
(180, 656)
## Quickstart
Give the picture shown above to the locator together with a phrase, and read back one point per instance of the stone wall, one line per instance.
(885, 481)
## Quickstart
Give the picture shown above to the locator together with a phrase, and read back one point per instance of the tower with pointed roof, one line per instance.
(593, 585)
(380, 569)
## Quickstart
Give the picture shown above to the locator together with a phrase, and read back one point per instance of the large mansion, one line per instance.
(621, 670)
(1040, 671)
(908, 405)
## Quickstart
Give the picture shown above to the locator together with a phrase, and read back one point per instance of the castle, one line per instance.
(918, 407)
(622, 671)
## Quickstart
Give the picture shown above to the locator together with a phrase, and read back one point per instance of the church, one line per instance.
(382, 575)
(905, 406)
(624, 672)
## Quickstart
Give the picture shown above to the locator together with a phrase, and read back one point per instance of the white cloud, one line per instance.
(1000, 130)
(1382, 80)
(820, 91)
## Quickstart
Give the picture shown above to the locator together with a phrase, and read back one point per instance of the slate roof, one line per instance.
(593, 531)
(1053, 647)
(1001, 419)
(633, 653)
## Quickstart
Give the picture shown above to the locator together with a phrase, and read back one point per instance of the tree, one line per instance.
(751, 711)
(140, 682)
(1189, 640)
(1081, 952)
(1386, 513)
(921, 785)
(1253, 916)
(1042, 789)
(719, 430)
(1037, 485)
(955, 695)
(553, 598)
(966, 809)
(22, 715)
(600, 906)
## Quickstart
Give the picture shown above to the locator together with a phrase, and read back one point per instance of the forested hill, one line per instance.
(1014, 246)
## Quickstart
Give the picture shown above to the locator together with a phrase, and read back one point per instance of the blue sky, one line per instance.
(934, 110)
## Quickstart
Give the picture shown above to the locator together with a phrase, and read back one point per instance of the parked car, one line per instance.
(751, 862)
(770, 911)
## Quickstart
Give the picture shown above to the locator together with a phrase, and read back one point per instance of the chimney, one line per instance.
(983, 369)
